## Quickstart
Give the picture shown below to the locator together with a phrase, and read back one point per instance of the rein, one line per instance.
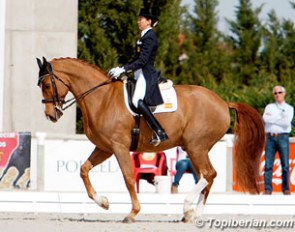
(81, 96)
(56, 98)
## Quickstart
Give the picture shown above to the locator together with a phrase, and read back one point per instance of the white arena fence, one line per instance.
(56, 162)
(56, 185)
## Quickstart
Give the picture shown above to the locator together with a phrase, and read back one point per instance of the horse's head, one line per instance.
(54, 90)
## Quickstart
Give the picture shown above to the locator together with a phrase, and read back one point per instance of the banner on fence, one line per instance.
(15, 157)
(277, 172)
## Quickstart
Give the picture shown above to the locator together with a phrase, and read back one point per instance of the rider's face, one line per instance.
(143, 23)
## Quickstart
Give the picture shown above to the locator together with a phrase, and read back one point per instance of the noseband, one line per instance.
(56, 100)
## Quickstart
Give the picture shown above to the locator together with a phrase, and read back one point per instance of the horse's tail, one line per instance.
(248, 146)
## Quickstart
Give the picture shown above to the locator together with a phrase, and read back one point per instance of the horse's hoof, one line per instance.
(102, 201)
(128, 220)
(189, 216)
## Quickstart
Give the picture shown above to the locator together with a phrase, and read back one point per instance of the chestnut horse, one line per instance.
(201, 120)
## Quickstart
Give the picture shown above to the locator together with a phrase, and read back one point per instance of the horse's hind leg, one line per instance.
(207, 174)
(94, 159)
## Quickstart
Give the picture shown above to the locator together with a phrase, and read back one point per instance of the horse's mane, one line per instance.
(82, 62)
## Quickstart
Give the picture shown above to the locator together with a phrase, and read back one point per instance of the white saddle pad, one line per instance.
(168, 94)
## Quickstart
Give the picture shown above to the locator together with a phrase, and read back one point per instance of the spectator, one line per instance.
(183, 165)
(277, 117)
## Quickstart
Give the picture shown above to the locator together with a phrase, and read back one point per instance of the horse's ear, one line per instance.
(47, 65)
(39, 63)
(44, 60)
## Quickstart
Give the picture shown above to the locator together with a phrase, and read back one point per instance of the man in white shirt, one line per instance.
(278, 118)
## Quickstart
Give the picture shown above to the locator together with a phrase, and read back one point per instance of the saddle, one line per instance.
(167, 91)
(130, 88)
(170, 103)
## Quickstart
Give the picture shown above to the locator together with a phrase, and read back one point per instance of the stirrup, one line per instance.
(155, 141)
(158, 138)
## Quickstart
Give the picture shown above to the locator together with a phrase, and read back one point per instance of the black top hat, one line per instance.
(149, 13)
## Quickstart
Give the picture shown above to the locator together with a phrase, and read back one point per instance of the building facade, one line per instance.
(30, 29)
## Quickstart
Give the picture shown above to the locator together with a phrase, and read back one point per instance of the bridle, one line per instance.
(59, 103)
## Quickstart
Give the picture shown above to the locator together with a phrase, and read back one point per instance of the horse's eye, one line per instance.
(46, 86)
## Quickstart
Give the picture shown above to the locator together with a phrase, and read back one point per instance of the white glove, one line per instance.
(116, 72)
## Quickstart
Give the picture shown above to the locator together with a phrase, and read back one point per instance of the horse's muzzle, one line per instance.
(57, 114)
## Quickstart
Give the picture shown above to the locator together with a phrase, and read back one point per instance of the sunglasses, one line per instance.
(280, 92)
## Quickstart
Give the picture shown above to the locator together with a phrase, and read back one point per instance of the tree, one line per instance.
(168, 33)
(206, 64)
(93, 44)
(246, 40)
(106, 31)
(288, 51)
(272, 45)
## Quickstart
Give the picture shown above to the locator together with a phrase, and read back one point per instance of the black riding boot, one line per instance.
(153, 122)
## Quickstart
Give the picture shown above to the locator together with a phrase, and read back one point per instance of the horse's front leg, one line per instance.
(94, 159)
(124, 160)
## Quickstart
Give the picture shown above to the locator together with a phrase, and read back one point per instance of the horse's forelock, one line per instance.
(44, 69)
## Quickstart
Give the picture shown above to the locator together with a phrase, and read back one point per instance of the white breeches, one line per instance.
(140, 87)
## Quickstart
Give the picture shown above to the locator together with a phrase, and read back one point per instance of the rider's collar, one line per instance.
(145, 31)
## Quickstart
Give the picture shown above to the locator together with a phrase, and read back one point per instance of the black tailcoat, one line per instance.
(146, 52)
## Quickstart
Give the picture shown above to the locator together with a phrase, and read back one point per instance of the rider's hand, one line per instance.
(115, 73)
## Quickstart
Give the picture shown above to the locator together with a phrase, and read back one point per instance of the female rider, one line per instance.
(147, 92)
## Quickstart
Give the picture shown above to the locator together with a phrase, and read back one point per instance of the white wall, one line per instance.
(2, 42)
(35, 28)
